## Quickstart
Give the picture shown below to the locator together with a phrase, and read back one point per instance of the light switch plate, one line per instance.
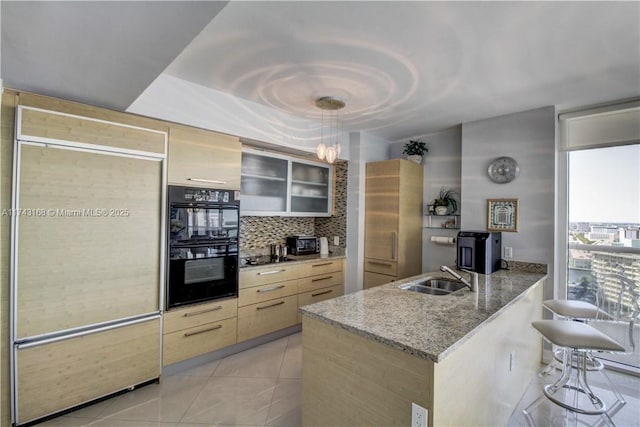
(336, 240)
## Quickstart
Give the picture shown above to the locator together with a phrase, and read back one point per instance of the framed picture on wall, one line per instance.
(502, 215)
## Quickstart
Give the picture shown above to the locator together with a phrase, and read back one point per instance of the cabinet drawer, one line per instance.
(322, 267)
(320, 281)
(86, 367)
(260, 319)
(263, 293)
(318, 295)
(199, 314)
(187, 343)
(380, 266)
(270, 274)
(376, 279)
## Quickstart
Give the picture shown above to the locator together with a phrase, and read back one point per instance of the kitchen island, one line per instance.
(466, 357)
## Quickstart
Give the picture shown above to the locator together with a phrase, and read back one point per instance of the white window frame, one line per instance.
(609, 119)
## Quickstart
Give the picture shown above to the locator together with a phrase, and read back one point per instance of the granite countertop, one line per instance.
(427, 326)
(265, 260)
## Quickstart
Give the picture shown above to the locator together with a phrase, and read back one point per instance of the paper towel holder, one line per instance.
(441, 240)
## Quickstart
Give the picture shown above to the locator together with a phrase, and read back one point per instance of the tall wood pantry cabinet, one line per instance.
(393, 221)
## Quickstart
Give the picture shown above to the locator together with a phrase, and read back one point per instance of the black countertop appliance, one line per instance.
(479, 251)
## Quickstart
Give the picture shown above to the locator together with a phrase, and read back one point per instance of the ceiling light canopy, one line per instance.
(329, 147)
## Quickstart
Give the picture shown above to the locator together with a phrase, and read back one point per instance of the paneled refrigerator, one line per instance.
(87, 257)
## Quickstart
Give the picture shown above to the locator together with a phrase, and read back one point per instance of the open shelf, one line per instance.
(442, 221)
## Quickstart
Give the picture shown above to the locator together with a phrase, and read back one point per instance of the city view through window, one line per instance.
(604, 238)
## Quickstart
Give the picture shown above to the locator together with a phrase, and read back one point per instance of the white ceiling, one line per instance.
(404, 68)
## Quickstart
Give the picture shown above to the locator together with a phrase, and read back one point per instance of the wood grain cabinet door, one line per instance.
(88, 248)
(67, 373)
(203, 158)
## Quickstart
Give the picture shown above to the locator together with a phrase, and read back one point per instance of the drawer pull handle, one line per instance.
(213, 328)
(208, 310)
(322, 265)
(273, 288)
(322, 278)
(211, 181)
(322, 293)
(270, 305)
(379, 263)
(264, 273)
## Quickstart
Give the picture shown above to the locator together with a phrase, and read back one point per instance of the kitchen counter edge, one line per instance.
(398, 318)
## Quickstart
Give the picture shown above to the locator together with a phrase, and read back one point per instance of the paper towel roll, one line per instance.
(443, 240)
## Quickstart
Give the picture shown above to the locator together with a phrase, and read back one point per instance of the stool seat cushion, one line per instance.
(575, 335)
(575, 309)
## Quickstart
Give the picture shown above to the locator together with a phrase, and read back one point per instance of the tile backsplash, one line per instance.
(258, 232)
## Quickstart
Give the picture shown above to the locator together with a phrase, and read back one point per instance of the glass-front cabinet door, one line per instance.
(309, 188)
(264, 185)
(278, 185)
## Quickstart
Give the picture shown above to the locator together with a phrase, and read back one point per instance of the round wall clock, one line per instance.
(503, 170)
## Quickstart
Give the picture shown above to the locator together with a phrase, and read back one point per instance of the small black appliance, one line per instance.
(303, 245)
(479, 251)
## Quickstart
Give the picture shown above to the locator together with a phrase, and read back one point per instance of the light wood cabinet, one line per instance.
(324, 279)
(198, 329)
(272, 273)
(393, 221)
(67, 373)
(200, 158)
(376, 279)
(271, 295)
(267, 292)
(259, 319)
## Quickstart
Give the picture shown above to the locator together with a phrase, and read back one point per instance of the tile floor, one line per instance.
(262, 387)
(258, 387)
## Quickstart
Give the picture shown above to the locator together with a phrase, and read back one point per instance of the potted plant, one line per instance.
(445, 203)
(415, 149)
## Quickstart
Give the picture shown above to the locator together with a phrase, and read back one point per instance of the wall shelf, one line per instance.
(442, 221)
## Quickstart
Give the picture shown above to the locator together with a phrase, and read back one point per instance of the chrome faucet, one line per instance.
(473, 276)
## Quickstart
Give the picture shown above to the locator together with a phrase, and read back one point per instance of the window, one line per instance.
(602, 246)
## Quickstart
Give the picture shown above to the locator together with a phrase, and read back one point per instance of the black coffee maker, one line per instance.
(479, 251)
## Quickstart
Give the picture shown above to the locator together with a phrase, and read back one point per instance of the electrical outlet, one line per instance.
(508, 252)
(418, 416)
(336, 240)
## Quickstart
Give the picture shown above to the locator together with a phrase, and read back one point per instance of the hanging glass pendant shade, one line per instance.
(329, 147)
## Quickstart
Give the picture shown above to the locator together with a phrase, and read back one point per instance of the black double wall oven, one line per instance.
(203, 230)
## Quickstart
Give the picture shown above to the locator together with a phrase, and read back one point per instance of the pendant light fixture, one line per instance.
(329, 147)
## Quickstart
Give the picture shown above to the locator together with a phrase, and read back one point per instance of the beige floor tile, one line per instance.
(166, 402)
(285, 408)
(213, 425)
(204, 370)
(232, 400)
(263, 361)
(294, 340)
(67, 421)
(108, 422)
(292, 363)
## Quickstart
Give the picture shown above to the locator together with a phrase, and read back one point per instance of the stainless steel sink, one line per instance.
(424, 289)
(445, 284)
(435, 286)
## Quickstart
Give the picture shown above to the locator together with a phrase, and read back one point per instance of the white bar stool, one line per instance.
(577, 340)
(581, 311)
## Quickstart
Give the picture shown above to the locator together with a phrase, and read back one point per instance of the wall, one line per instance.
(528, 137)
(363, 148)
(177, 100)
(441, 169)
(336, 224)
